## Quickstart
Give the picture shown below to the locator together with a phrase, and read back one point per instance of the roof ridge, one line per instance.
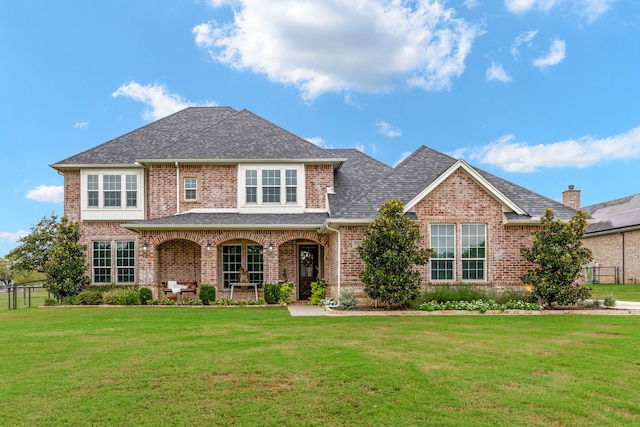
(609, 203)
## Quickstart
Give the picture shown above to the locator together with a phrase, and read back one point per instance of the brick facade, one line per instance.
(317, 179)
(620, 250)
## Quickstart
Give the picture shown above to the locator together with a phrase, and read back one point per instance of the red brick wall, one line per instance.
(161, 187)
(72, 190)
(217, 186)
(317, 179)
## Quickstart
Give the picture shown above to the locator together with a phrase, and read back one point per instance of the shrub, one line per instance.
(286, 290)
(609, 300)
(207, 294)
(145, 295)
(272, 293)
(348, 298)
(90, 297)
(122, 296)
(317, 291)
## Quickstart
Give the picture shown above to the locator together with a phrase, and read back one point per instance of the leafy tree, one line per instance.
(6, 275)
(33, 252)
(65, 264)
(390, 250)
(560, 256)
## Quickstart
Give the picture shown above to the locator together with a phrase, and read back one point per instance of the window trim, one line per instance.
(459, 260)
(476, 259)
(95, 190)
(284, 187)
(435, 259)
(244, 262)
(185, 189)
(113, 269)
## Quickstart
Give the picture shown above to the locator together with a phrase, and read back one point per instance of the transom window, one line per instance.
(246, 256)
(191, 188)
(471, 258)
(103, 268)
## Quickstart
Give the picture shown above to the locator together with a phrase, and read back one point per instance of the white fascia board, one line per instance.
(63, 166)
(491, 189)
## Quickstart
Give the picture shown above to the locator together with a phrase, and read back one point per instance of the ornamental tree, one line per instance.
(33, 251)
(65, 266)
(560, 256)
(390, 250)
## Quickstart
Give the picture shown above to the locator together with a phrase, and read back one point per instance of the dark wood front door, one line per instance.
(307, 269)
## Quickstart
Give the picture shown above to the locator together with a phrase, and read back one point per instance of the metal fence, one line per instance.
(599, 274)
(25, 295)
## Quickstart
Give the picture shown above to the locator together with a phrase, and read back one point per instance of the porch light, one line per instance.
(145, 246)
(270, 246)
(208, 246)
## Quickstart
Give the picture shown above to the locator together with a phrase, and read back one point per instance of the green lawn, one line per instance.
(259, 366)
(621, 292)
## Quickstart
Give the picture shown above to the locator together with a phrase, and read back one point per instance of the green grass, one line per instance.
(155, 366)
(37, 299)
(621, 292)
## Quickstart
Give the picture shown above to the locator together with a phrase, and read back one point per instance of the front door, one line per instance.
(307, 269)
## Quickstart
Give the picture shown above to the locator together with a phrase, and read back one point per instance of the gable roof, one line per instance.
(419, 173)
(203, 134)
(614, 215)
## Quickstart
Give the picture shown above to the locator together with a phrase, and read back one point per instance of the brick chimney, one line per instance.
(571, 198)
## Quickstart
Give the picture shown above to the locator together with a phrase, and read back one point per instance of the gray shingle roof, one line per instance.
(142, 142)
(203, 220)
(614, 214)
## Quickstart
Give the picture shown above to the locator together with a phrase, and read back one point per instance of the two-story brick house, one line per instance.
(200, 193)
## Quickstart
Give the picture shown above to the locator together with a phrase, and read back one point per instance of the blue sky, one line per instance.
(540, 92)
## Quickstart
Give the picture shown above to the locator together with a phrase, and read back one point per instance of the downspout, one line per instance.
(339, 254)
(622, 234)
(177, 188)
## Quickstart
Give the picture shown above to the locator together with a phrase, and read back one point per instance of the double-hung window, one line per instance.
(112, 194)
(191, 188)
(104, 269)
(242, 255)
(470, 258)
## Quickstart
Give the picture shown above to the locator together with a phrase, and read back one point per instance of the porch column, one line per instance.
(271, 260)
(208, 265)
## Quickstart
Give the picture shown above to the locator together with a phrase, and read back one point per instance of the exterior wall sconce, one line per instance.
(145, 247)
(208, 246)
(270, 246)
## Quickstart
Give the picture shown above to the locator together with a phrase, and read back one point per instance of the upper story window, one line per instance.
(191, 188)
(112, 194)
(271, 186)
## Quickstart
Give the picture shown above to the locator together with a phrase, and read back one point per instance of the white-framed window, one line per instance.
(444, 249)
(274, 187)
(248, 256)
(470, 258)
(104, 270)
(112, 194)
(191, 188)
(474, 252)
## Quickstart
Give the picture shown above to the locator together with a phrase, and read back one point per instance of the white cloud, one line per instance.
(514, 156)
(403, 156)
(525, 38)
(81, 125)
(386, 129)
(587, 9)
(556, 55)
(46, 193)
(359, 148)
(7, 236)
(317, 140)
(470, 4)
(319, 47)
(497, 72)
(161, 101)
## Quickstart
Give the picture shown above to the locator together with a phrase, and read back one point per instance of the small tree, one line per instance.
(560, 256)
(390, 250)
(33, 251)
(65, 266)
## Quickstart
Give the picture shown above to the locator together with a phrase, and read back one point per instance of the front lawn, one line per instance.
(621, 292)
(260, 366)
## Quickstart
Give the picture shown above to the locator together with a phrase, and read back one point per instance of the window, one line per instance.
(473, 251)
(132, 190)
(443, 244)
(111, 190)
(235, 256)
(471, 258)
(102, 262)
(125, 259)
(93, 191)
(271, 186)
(125, 262)
(107, 191)
(191, 188)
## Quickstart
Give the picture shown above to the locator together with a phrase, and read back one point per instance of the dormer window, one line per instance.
(271, 186)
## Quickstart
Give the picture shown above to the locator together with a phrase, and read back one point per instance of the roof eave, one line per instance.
(136, 226)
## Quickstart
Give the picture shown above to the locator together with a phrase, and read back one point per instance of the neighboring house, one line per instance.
(613, 236)
(199, 194)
